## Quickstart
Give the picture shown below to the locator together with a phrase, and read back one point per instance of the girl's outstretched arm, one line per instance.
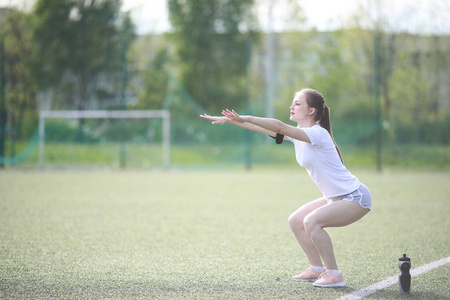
(220, 120)
(272, 125)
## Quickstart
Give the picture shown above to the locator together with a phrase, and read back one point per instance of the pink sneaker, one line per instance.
(328, 279)
(307, 275)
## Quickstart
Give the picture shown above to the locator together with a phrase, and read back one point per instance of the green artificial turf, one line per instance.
(207, 235)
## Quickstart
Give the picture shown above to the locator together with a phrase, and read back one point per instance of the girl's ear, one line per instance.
(311, 111)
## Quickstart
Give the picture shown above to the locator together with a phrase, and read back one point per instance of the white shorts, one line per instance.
(361, 196)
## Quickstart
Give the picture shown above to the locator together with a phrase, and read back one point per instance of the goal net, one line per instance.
(126, 137)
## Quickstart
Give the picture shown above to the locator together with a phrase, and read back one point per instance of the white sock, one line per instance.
(335, 272)
(318, 268)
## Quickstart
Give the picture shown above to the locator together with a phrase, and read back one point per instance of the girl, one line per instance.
(345, 200)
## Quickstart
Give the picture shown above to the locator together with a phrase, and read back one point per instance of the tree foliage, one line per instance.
(77, 47)
(153, 81)
(21, 91)
(210, 39)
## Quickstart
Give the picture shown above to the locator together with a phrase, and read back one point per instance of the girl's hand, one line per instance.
(232, 115)
(216, 120)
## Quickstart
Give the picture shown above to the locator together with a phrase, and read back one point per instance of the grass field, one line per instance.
(211, 155)
(207, 234)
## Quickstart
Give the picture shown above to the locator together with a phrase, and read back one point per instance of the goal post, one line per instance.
(107, 114)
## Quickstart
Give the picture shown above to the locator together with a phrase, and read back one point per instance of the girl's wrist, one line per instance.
(247, 119)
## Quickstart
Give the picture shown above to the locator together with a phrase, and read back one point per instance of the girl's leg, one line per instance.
(296, 222)
(335, 214)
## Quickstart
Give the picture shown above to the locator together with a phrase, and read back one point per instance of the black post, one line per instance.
(378, 100)
(2, 103)
(248, 134)
(122, 104)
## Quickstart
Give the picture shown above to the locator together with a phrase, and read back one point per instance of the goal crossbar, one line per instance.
(106, 114)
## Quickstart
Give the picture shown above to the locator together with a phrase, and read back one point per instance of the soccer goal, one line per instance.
(108, 114)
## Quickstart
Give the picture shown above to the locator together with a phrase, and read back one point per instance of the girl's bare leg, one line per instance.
(296, 222)
(335, 214)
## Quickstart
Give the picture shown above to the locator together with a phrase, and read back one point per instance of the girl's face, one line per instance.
(300, 110)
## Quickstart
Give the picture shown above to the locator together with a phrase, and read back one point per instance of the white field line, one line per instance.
(392, 280)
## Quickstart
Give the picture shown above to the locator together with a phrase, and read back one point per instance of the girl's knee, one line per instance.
(309, 223)
(295, 221)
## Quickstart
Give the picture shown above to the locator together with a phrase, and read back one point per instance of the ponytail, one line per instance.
(325, 123)
(317, 101)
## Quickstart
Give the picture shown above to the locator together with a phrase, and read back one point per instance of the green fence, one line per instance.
(195, 143)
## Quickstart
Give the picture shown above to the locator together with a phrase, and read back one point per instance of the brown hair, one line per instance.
(316, 100)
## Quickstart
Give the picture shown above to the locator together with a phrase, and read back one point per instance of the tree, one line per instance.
(210, 39)
(77, 47)
(153, 79)
(412, 71)
(21, 92)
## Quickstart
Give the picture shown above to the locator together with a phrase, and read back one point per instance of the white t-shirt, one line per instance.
(321, 160)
